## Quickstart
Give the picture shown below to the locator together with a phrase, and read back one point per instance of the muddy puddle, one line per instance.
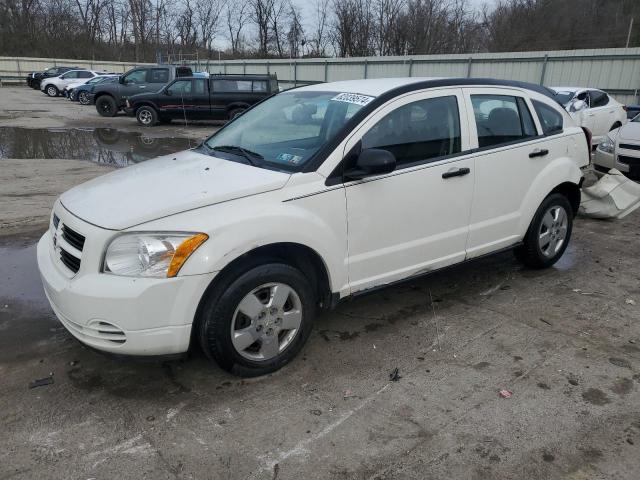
(20, 279)
(100, 145)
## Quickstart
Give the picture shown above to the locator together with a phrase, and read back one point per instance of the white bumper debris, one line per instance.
(613, 196)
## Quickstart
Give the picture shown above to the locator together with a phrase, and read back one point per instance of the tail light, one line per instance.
(589, 136)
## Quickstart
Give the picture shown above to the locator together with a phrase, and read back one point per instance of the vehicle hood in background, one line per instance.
(166, 186)
(630, 131)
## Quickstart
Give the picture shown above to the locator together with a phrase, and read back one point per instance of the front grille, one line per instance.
(628, 146)
(56, 220)
(70, 261)
(73, 238)
(629, 160)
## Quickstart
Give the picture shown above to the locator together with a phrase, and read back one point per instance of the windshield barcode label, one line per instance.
(352, 98)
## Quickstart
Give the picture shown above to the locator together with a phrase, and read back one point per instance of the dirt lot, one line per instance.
(565, 341)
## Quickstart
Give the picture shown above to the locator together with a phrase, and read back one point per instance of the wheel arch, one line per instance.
(572, 192)
(236, 105)
(297, 255)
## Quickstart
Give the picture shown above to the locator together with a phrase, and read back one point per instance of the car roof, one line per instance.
(394, 86)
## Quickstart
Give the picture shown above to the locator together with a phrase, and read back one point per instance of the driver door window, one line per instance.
(180, 88)
(135, 77)
(419, 131)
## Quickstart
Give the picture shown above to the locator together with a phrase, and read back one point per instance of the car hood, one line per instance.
(166, 186)
(630, 131)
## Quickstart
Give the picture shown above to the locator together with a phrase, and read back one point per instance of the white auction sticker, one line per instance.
(352, 98)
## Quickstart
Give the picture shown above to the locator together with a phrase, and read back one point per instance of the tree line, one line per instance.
(140, 30)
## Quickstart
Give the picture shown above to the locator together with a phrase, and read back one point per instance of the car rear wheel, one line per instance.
(549, 233)
(106, 106)
(83, 98)
(255, 323)
(235, 113)
(147, 116)
(52, 90)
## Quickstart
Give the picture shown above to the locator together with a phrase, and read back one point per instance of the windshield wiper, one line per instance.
(243, 152)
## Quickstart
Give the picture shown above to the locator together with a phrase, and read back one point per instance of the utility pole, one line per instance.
(629, 34)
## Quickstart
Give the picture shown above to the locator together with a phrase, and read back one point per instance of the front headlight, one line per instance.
(607, 145)
(158, 255)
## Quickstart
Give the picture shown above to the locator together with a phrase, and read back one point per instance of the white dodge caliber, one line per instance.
(314, 195)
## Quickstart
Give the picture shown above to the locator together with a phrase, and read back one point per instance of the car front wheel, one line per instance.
(52, 90)
(549, 233)
(146, 116)
(257, 322)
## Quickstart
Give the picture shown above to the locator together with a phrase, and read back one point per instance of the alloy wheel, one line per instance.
(266, 321)
(553, 230)
(145, 117)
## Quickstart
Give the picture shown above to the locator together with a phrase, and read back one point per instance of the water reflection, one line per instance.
(100, 145)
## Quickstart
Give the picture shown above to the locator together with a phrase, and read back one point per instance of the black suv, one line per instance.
(109, 98)
(34, 78)
(218, 97)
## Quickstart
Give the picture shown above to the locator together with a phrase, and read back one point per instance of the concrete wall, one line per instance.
(616, 70)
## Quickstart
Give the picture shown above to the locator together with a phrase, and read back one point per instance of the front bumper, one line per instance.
(627, 161)
(122, 315)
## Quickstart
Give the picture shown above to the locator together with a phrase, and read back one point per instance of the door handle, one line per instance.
(456, 173)
(539, 153)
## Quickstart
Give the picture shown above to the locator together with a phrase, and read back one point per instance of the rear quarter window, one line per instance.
(550, 119)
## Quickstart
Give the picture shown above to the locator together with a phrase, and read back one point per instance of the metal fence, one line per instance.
(615, 70)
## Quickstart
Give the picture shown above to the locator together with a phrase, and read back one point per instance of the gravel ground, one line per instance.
(564, 341)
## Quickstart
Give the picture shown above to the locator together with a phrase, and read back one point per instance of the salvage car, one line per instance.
(35, 78)
(593, 109)
(54, 86)
(109, 99)
(79, 91)
(620, 149)
(312, 196)
(220, 97)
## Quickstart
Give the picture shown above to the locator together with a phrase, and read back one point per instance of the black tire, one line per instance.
(147, 116)
(106, 106)
(235, 113)
(219, 309)
(83, 98)
(52, 90)
(531, 253)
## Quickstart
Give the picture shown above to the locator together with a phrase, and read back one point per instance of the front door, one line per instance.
(177, 101)
(414, 219)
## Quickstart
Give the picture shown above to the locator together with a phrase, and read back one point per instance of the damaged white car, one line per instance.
(593, 109)
(620, 149)
(314, 195)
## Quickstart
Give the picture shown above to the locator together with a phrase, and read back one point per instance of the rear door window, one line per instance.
(418, 131)
(159, 75)
(598, 98)
(232, 85)
(501, 119)
(70, 75)
(550, 119)
(259, 85)
(85, 75)
(199, 86)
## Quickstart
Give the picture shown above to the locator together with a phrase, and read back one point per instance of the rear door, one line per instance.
(156, 79)
(414, 219)
(510, 154)
(200, 94)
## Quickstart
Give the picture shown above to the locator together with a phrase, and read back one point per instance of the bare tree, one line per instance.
(320, 32)
(208, 13)
(295, 36)
(237, 16)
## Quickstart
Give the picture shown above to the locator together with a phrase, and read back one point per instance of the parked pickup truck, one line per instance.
(219, 97)
(109, 98)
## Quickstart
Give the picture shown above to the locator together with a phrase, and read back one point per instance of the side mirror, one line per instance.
(578, 105)
(167, 92)
(372, 161)
(121, 80)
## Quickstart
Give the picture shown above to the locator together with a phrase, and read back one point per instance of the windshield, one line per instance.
(564, 97)
(286, 130)
(636, 119)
